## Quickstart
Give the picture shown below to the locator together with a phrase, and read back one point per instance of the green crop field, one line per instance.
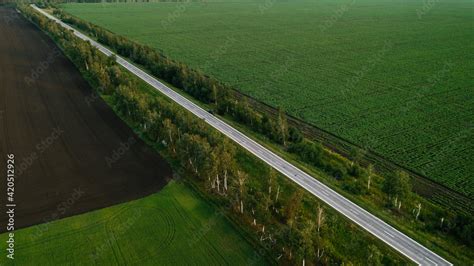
(395, 76)
(172, 227)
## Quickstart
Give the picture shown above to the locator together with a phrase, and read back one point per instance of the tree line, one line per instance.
(210, 91)
(354, 178)
(205, 155)
(277, 213)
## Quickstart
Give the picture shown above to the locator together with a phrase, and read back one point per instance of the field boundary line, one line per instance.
(372, 224)
(423, 185)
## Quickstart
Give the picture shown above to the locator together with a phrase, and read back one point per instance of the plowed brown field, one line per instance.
(72, 153)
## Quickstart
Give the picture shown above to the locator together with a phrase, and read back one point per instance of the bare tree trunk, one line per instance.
(171, 141)
(191, 164)
(320, 253)
(418, 211)
(368, 182)
(225, 180)
(278, 193)
(195, 168)
(320, 217)
(241, 206)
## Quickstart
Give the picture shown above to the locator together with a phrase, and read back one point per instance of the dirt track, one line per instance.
(72, 153)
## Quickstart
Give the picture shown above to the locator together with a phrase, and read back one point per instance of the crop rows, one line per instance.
(374, 74)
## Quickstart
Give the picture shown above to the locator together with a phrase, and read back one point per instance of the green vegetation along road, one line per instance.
(393, 76)
(402, 243)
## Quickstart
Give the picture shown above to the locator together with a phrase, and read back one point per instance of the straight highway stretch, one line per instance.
(383, 231)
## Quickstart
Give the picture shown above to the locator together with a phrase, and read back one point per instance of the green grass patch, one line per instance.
(172, 227)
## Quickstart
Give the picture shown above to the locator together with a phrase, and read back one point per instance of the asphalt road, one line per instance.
(394, 238)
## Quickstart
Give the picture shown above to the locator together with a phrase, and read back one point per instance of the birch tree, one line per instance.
(293, 206)
(370, 172)
(282, 124)
(397, 187)
(241, 179)
(417, 211)
(171, 132)
(226, 161)
(320, 218)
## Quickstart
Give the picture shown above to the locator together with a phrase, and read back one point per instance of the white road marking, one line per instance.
(372, 224)
(387, 233)
(431, 261)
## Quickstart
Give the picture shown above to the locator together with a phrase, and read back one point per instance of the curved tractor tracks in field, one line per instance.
(394, 238)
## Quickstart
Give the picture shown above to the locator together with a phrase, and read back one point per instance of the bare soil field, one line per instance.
(72, 153)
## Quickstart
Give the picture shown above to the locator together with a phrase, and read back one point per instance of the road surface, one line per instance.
(391, 236)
